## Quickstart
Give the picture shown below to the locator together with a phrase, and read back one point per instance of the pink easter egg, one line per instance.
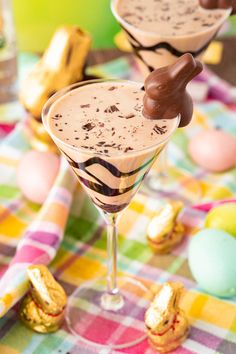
(214, 150)
(36, 174)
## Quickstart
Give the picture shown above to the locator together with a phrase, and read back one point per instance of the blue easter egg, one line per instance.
(212, 260)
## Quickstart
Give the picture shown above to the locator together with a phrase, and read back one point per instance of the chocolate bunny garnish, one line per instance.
(218, 4)
(166, 96)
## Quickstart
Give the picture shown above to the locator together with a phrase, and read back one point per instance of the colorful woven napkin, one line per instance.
(82, 252)
(42, 237)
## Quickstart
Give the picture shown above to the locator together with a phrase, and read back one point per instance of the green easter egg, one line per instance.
(223, 217)
(211, 256)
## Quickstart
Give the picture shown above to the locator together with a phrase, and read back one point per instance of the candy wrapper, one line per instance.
(167, 325)
(62, 64)
(165, 231)
(40, 241)
(43, 308)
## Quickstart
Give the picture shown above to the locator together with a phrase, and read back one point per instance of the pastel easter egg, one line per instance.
(223, 217)
(214, 150)
(36, 173)
(211, 257)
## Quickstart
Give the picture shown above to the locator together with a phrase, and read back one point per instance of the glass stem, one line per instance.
(112, 299)
(112, 254)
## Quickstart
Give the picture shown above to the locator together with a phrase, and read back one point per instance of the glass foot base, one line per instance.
(173, 184)
(93, 316)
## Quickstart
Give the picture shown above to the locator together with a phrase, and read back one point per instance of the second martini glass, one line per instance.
(153, 49)
(107, 311)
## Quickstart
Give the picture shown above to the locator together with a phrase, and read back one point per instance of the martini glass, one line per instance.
(108, 311)
(152, 51)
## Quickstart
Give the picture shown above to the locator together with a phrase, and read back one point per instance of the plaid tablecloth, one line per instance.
(82, 255)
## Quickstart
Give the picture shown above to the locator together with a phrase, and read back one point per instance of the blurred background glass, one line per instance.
(36, 20)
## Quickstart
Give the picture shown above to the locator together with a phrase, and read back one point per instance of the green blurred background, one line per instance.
(36, 20)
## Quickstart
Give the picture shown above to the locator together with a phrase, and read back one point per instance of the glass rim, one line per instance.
(67, 89)
(123, 22)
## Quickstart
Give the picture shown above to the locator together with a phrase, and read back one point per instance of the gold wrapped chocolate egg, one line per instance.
(164, 231)
(167, 325)
(42, 309)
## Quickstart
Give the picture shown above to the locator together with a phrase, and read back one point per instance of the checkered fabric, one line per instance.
(82, 252)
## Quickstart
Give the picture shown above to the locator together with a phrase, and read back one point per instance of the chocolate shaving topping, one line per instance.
(131, 115)
(100, 143)
(129, 148)
(137, 107)
(127, 14)
(160, 130)
(85, 105)
(111, 109)
(57, 116)
(112, 88)
(139, 8)
(88, 126)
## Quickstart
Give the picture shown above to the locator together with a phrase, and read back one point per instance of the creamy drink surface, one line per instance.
(106, 118)
(100, 129)
(169, 17)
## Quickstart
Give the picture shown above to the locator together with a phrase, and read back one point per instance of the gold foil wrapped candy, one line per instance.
(42, 309)
(167, 325)
(40, 140)
(62, 64)
(165, 231)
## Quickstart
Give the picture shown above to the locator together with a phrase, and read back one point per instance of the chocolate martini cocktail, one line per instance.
(106, 139)
(161, 31)
(100, 128)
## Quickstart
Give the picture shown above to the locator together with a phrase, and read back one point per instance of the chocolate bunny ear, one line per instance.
(216, 4)
(185, 69)
(196, 70)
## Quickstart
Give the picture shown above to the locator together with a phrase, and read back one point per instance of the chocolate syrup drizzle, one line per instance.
(137, 47)
(109, 208)
(101, 187)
